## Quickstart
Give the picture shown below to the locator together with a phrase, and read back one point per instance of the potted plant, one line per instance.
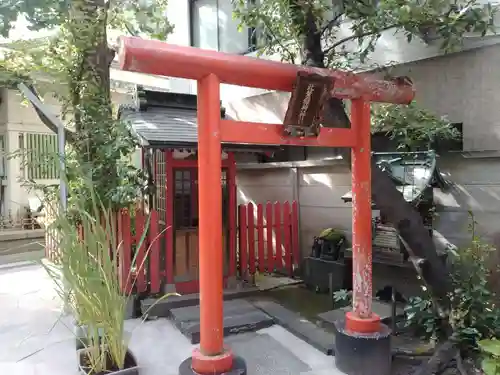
(87, 279)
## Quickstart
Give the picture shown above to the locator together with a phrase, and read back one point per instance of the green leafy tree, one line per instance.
(73, 65)
(411, 127)
(313, 33)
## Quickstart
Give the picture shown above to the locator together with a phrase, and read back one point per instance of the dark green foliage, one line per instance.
(474, 315)
(73, 67)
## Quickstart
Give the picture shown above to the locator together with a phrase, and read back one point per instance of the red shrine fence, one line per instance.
(267, 241)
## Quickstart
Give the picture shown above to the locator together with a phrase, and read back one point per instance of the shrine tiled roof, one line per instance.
(163, 125)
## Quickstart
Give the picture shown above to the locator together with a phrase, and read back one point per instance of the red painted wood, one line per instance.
(192, 286)
(231, 180)
(260, 238)
(166, 59)
(272, 134)
(361, 212)
(154, 253)
(182, 163)
(251, 238)
(295, 234)
(269, 237)
(140, 258)
(287, 241)
(277, 234)
(169, 229)
(243, 257)
(125, 255)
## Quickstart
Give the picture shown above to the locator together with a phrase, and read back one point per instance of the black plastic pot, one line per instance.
(130, 368)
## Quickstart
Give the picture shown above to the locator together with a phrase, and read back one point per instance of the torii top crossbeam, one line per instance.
(159, 58)
(211, 69)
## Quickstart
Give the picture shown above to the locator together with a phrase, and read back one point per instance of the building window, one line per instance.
(213, 27)
(40, 155)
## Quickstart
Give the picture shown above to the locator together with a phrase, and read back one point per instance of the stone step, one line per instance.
(239, 316)
(299, 326)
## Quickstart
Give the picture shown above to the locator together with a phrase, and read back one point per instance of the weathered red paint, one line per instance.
(210, 229)
(154, 253)
(287, 242)
(280, 251)
(260, 238)
(242, 221)
(251, 238)
(272, 134)
(361, 212)
(269, 237)
(125, 258)
(169, 220)
(212, 68)
(231, 181)
(295, 235)
(159, 58)
(140, 259)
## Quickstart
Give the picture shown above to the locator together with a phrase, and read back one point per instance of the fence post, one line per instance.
(251, 240)
(286, 239)
(269, 237)
(125, 255)
(277, 233)
(295, 235)
(242, 213)
(140, 257)
(154, 253)
(260, 238)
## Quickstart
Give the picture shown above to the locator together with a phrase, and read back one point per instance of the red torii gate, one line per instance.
(210, 69)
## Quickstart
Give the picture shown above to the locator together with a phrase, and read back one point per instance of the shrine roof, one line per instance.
(169, 120)
(162, 126)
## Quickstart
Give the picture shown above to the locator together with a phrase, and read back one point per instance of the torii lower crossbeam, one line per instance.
(210, 69)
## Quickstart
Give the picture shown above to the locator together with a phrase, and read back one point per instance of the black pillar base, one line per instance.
(239, 368)
(363, 354)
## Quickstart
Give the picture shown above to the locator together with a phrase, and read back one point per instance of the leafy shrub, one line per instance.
(473, 315)
(490, 350)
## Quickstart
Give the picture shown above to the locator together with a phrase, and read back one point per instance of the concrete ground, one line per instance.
(35, 339)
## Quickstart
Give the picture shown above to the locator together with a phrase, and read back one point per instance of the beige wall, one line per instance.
(463, 86)
(20, 117)
(319, 189)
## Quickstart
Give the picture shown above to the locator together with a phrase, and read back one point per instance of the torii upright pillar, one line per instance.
(363, 342)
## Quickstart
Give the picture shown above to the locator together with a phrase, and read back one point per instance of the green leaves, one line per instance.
(491, 352)
(474, 314)
(282, 29)
(490, 347)
(411, 126)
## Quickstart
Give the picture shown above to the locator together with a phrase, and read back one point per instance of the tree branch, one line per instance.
(332, 23)
(353, 37)
(278, 41)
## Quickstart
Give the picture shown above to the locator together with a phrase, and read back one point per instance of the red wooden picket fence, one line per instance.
(139, 269)
(268, 238)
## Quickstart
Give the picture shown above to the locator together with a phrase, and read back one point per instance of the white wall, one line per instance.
(23, 118)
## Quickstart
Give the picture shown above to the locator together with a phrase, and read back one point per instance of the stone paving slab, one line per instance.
(35, 339)
(239, 316)
(264, 355)
(300, 327)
